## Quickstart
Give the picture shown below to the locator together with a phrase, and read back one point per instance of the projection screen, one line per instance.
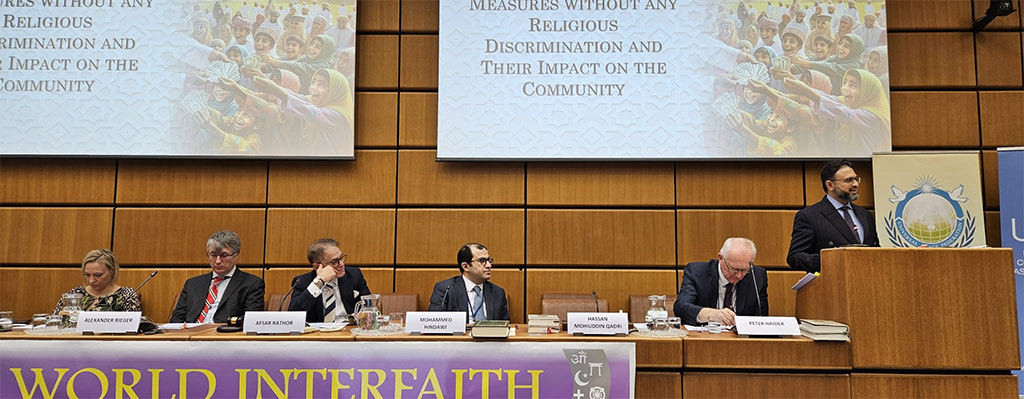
(661, 79)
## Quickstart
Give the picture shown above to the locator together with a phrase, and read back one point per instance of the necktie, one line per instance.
(210, 297)
(727, 303)
(849, 221)
(332, 302)
(478, 304)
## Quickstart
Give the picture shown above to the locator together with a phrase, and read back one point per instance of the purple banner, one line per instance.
(314, 369)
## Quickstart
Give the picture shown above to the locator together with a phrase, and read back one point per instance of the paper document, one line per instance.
(807, 278)
(178, 326)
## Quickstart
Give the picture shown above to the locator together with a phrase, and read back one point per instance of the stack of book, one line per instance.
(490, 329)
(825, 330)
(543, 324)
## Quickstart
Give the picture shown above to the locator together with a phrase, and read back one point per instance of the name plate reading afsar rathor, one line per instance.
(274, 322)
(597, 323)
(435, 323)
(108, 322)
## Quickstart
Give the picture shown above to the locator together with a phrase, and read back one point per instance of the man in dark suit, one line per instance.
(331, 290)
(835, 221)
(720, 289)
(471, 292)
(227, 292)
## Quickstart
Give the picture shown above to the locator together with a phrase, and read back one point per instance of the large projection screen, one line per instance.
(177, 78)
(661, 79)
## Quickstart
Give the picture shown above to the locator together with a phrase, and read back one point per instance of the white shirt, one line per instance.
(221, 288)
(472, 296)
(339, 307)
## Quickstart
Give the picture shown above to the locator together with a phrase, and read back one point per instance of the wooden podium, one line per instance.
(927, 309)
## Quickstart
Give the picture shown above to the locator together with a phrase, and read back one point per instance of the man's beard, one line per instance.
(846, 196)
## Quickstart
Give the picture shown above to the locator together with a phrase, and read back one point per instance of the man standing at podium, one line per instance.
(471, 292)
(330, 291)
(720, 289)
(835, 221)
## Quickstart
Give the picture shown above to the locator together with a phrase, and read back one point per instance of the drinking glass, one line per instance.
(39, 320)
(54, 321)
(397, 321)
(6, 318)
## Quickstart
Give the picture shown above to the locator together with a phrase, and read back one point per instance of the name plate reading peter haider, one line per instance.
(109, 322)
(762, 326)
(435, 323)
(274, 322)
(597, 323)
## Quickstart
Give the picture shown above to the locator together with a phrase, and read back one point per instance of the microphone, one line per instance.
(147, 280)
(263, 273)
(287, 295)
(445, 297)
(597, 308)
(757, 294)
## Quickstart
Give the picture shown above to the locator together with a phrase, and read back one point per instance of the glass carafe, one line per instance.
(656, 309)
(69, 313)
(367, 312)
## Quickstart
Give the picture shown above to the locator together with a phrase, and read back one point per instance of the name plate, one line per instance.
(274, 322)
(435, 323)
(755, 326)
(109, 322)
(597, 323)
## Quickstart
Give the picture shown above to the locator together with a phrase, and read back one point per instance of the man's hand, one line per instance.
(724, 317)
(326, 273)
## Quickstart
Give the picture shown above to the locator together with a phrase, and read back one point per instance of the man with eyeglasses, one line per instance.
(330, 291)
(833, 222)
(471, 292)
(226, 292)
(720, 289)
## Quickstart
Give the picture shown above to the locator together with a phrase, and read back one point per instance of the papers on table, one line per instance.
(328, 327)
(178, 326)
(807, 278)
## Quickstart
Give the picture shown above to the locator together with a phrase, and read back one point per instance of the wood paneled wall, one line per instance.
(618, 228)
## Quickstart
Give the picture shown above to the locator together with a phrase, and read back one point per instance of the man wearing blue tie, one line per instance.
(330, 291)
(471, 292)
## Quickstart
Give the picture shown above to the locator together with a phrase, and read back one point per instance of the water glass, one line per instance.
(39, 320)
(6, 318)
(715, 328)
(54, 321)
(397, 321)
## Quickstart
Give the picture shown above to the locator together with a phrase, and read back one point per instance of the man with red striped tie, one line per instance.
(224, 293)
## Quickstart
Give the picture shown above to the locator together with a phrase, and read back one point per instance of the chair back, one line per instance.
(567, 295)
(274, 302)
(560, 307)
(398, 303)
(638, 305)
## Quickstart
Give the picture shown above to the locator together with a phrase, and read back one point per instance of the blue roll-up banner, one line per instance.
(1011, 222)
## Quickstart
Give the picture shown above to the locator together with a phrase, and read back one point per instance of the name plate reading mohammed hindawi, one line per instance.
(109, 322)
(274, 322)
(597, 323)
(435, 323)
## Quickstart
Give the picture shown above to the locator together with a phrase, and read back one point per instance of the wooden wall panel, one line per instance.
(366, 235)
(376, 120)
(421, 281)
(1001, 23)
(160, 293)
(701, 233)
(600, 237)
(57, 181)
(940, 60)
(999, 60)
(369, 180)
(932, 386)
(658, 385)
(990, 178)
(191, 182)
(781, 296)
(177, 236)
(1002, 118)
(379, 280)
(905, 15)
(417, 120)
(419, 62)
(420, 16)
(376, 68)
(614, 285)
(30, 290)
(814, 192)
(377, 16)
(600, 184)
(749, 184)
(424, 181)
(993, 233)
(52, 235)
(920, 119)
(748, 385)
(434, 236)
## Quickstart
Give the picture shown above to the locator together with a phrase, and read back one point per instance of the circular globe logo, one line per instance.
(929, 218)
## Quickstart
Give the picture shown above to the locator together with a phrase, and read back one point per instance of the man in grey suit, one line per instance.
(471, 292)
(833, 222)
(224, 293)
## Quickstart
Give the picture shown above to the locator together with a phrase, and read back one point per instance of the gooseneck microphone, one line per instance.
(597, 308)
(147, 280)
(445, 297)
(287, 295)
(757, 294)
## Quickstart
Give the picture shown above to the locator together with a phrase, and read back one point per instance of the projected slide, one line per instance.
(177, 78)
(662, 79)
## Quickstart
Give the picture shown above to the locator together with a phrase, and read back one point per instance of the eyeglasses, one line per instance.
(485, 260)
(848, 180)
(222, 255)
(337, 261)
(733, 270)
